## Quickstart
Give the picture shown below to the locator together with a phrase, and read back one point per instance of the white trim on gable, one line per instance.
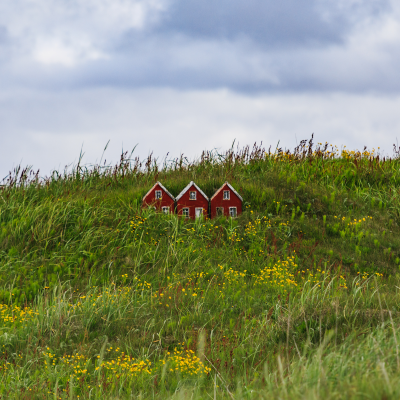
(162, 187)
(187, 188)
(230, 187)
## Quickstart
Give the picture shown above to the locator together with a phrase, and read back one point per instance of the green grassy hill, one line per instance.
(296, 298)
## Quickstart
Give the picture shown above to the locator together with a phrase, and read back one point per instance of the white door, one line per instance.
(199, 212)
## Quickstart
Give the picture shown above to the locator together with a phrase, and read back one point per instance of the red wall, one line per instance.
(218, 201)
(192, 204)
(165, 201)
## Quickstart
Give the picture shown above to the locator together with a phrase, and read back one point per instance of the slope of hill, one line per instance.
(296, 298)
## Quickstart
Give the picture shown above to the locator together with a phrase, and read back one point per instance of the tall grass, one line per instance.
(296, 298)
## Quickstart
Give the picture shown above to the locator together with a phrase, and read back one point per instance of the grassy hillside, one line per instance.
(296, 298)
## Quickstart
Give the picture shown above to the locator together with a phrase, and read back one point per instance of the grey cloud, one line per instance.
(253, 46)
(189, 64)
(47, 130)
(194, 64)
(215, 71)
(269, 23)
(3, 34)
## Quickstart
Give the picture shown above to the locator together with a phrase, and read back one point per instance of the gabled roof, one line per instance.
(188, 187)
(162, 187)
(230, 187)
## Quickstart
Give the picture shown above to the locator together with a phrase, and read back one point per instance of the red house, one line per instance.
(159, 198)
(192, 202)
(226, 201)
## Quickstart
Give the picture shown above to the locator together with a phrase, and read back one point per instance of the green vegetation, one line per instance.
(296, 298)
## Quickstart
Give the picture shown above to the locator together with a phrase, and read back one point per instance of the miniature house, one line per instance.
(226, 201)
(159, 198)
(192, 202)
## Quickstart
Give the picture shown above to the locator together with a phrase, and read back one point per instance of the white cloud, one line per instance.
(50, 51)
(48, 129)
(76, 16)
(69, 32)
(74, 44)
(63, 65)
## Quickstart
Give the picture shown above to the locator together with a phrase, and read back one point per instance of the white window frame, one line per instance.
(216, 211)
(184, 210)
(195, 212)
(228, 193)
(190, 195)
(158, 194)
(165, 210)
(230, 212)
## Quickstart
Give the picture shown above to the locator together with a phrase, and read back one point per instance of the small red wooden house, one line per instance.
(192, 202)
(226, 201)
(159, 198)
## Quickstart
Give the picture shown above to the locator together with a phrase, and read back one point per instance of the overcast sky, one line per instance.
(175, 76)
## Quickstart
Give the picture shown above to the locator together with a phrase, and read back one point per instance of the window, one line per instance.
(199, 212)
(232, 212)
(185, 212)
(158, 194)
(227, 194)
(192, 195)
(220, 211)
(165, 210)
